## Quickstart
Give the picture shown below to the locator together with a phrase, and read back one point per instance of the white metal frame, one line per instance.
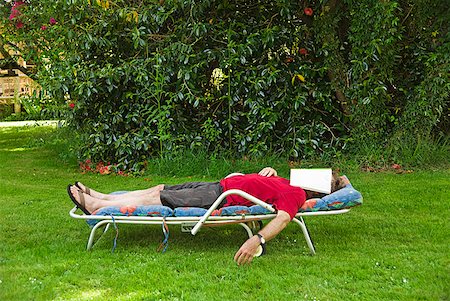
(205, 220)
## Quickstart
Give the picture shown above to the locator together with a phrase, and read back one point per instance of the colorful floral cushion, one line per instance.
(152, 210)
(189, 211)
(344, 198)
(224, 211)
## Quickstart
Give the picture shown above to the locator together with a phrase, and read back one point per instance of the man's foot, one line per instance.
(91, 192)
(83, 201)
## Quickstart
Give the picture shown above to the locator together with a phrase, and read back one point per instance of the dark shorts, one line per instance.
(193, 194)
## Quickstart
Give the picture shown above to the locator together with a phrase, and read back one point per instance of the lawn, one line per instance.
(395, 246)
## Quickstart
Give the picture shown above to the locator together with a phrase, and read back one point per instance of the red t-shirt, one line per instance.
(272, 190)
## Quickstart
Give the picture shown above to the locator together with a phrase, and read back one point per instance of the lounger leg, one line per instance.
(302, 225)
(247, 228)
(92, 235)
(255, 225)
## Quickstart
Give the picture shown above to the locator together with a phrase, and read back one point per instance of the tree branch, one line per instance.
(12, 60)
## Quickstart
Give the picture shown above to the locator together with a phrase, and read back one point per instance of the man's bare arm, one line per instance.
(248, 249)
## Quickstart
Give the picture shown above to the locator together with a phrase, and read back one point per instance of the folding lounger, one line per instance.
(192, 219)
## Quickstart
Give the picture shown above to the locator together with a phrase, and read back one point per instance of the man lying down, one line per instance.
(265, 185)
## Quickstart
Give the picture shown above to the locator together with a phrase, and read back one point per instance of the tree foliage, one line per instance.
(297, 78)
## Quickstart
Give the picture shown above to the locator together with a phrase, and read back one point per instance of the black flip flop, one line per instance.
(85, 190)
(76, 202)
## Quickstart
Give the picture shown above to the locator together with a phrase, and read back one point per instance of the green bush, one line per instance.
(5, 110)
(34, 107)
(295, 78)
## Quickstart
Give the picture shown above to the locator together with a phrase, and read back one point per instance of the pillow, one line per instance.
(343, 198)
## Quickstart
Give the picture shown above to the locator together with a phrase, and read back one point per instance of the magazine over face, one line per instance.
(315, 179)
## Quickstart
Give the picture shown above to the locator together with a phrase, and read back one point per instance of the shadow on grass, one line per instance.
(143, 236)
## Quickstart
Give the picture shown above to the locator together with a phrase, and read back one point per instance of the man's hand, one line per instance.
(249, 248)
(268, 172)
(247, 251)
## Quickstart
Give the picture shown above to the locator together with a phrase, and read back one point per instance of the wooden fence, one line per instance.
(13, 87)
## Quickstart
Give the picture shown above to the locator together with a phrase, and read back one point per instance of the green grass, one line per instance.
(394, 247)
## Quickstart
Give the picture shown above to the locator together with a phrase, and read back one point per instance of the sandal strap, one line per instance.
(82, 201)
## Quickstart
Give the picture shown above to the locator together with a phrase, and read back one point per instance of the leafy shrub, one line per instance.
(34, 107)
(299, 79)
(5, 110)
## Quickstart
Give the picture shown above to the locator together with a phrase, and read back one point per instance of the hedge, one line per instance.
(296, 78)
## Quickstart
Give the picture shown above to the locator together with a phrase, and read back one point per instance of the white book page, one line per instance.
(315, 179)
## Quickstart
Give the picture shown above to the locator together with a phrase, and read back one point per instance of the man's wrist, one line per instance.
(262, 240)
(261, 247)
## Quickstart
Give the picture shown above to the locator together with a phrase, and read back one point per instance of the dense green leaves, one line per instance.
(295, 78)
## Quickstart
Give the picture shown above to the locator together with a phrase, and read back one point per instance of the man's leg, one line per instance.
(104, 196)
(92, 203)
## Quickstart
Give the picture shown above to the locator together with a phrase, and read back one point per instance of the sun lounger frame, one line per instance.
(196, 222)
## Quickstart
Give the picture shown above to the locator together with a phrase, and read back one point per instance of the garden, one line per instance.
(147, 92)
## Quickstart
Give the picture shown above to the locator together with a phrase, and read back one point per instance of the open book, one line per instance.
(315, 179)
